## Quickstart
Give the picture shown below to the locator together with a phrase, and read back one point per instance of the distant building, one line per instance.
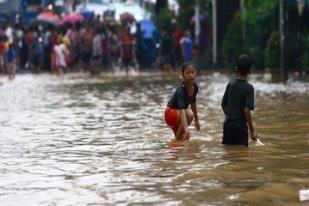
(26, 9)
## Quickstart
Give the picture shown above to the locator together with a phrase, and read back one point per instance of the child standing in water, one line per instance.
(237, 103)
(177, 115)
(11, 64)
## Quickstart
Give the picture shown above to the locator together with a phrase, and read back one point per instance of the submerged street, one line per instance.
(76, 140)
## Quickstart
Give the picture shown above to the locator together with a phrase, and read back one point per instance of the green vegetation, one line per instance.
(260, 18)
(272, 52)
(186, 11)
(305, 54)
(164, 18)
(233, 44)
(257, 23)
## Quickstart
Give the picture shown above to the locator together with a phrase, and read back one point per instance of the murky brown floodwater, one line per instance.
(81, 141)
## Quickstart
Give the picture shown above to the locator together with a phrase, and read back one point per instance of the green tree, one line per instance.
(305, 53)
(260, 17)
(160, 4)
(163, 20)
(272, 52)
(233, 44)
(258, 11)
(186, 11)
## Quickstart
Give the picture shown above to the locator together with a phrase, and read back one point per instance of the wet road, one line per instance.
(76, 140)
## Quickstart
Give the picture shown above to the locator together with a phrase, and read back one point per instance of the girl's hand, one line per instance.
(197, 125)
(186, 135)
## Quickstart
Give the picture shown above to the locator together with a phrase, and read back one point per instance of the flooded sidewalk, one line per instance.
(77, 140)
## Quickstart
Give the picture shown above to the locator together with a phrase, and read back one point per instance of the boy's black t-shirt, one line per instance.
(181, 99)
(238, 95)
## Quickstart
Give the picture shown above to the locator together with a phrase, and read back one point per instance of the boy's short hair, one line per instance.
(244, 64)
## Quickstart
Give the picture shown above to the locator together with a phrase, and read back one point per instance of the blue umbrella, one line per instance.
(148, 27)
(87, 14)
(2, 19)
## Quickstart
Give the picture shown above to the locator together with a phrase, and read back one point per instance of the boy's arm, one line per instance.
(253, 134)
(224, 101)
(196, 120)
(224, 108)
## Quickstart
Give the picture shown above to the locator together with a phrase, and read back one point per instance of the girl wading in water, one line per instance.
(177, 114)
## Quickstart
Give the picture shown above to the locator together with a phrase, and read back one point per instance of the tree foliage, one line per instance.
(233, 44)
(272, 52)
(258, 21)
(163, 20)
(305, 53)
(186, 11)
(160, 4)
(257, 11)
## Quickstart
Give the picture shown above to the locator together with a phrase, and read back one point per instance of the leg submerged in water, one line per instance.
(179, 120)
(186, 118)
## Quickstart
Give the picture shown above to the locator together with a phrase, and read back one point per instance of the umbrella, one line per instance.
(148, 27)
(87, 14)
(126, 17)
(73, 18)
(36, 23)
(49, 17)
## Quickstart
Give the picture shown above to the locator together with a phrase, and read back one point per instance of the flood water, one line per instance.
(76, 140)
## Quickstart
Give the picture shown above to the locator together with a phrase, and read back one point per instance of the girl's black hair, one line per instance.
(185, 64)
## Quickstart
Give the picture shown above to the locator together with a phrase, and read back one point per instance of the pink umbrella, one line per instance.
(49, 17)
(73, 18)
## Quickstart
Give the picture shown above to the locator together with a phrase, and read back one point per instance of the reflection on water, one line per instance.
(77, 141)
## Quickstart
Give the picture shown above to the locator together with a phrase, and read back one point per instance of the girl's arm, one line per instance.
(196, 120)
(250, 124)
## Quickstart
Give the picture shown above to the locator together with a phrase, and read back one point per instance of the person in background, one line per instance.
(96, 52)
(60, 51)
(36, 55)
(140, 45)
(127, 53)
(18, 44)
(237, 102)
(11, 63)
(74, 46)
(2, 54)
(86, 47)
(178, 35)
(166, 52)
(113, 48)
(186, 47)
(104, 47)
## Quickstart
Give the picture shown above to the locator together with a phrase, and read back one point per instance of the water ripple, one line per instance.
(77, 140)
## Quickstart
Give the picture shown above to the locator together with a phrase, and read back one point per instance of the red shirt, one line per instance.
(178, 35)
(127, 42)
(1, 47)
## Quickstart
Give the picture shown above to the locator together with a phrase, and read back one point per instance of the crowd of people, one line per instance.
(90, 46)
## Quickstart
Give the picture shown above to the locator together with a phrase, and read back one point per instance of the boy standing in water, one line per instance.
(237, 102)
(177, 114)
